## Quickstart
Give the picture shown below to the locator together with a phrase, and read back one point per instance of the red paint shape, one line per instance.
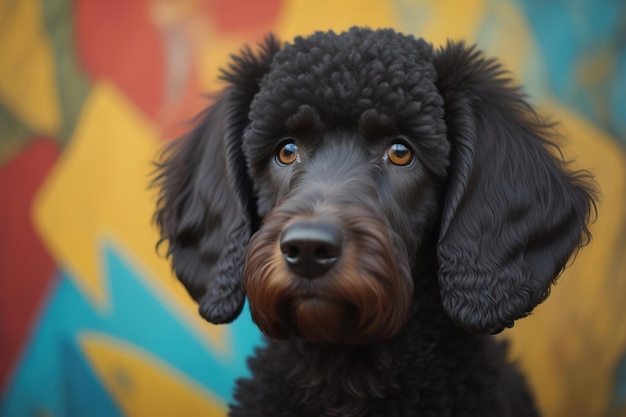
(26, 267)
(118, 41)
(242, 15)
(126, 42)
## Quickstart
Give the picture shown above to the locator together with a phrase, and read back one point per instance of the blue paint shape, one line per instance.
(619, 394)
(138, 317)
(570, 35)
(618, 95)
(84, 395)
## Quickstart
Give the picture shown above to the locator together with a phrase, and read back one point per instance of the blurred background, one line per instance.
(92, 322)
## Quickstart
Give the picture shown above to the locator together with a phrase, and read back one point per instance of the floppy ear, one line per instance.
(512, 214)
(206, 210)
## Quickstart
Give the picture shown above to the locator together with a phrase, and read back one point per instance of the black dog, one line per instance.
(383, 206)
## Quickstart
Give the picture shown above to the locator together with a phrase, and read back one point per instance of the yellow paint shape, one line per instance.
(100, 187)
(144, 385)
(439, 21)
(513, 45)
(566, 338)
(303, 17)
(215, 55)
(27, 83)
(445, 19)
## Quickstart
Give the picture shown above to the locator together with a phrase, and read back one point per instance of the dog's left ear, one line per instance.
(206, 209)
(512, 214)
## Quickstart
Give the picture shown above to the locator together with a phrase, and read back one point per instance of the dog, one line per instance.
(384, 207)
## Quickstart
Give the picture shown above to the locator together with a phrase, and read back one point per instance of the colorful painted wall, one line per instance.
(92, 322)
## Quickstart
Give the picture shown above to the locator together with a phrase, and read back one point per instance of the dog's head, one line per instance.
(317, 177)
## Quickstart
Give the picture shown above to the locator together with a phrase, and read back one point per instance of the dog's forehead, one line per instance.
(356, 47)
(344, 75)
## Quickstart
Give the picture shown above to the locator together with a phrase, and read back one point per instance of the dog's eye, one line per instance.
(399, 154)
(288, 153)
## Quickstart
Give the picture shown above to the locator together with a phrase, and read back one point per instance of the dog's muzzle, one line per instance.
(332, 275)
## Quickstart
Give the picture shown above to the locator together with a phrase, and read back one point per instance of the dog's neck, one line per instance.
(347, 380)
(343, 380)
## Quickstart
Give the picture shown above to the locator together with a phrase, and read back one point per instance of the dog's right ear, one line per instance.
(206, 210)
(514, 211)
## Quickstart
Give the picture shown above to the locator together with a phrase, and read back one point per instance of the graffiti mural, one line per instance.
(92, 320)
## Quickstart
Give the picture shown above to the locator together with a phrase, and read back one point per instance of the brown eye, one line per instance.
(288, 154)
(399, 154)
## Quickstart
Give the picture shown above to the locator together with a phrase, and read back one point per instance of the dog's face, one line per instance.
(347, 186)
(314, 182)
(342, 211)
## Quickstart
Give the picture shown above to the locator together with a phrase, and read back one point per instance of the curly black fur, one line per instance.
(433, 254)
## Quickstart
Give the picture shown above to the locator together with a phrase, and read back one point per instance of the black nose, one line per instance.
(311, 248)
